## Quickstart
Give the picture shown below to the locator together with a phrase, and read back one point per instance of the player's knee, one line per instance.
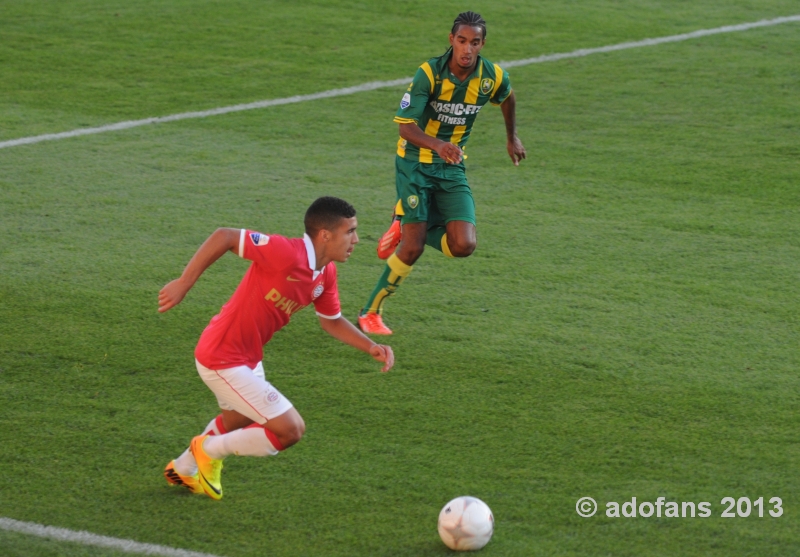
(463, 248)
(293, 433)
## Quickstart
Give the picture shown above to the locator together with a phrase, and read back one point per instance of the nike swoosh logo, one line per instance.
(292, 279)
(207, 483)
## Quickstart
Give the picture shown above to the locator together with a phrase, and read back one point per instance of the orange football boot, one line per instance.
(389, 241)
(189, 482)
(372, 323)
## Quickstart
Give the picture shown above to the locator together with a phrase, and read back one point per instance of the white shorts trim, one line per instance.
(246, 391)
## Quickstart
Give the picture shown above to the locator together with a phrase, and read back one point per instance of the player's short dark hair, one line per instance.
(325, 214)
(469, 18)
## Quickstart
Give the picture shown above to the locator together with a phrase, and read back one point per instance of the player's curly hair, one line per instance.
(325, 214)
(469, 18)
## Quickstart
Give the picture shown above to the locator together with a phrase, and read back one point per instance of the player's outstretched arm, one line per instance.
(515, 149)
(342, 330)
(222, 240)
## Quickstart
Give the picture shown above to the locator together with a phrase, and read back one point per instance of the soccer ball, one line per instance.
(466, 524)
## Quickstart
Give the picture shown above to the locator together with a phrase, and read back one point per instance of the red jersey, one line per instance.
(280, 282)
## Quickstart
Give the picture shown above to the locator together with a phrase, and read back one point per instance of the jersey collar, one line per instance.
(312, 256)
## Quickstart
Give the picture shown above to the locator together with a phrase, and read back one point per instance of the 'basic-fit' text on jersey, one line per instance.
(444, 107)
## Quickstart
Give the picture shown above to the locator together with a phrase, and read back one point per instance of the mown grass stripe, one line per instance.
(373, 85)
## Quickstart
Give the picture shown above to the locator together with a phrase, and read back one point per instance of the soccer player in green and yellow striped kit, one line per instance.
(434, 202)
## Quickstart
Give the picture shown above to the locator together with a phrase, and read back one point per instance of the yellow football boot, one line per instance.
(209, 470)
(189, 482)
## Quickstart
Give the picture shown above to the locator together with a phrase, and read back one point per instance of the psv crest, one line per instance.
(487, 85)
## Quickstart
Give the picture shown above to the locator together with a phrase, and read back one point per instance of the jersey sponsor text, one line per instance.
(444, 119)
(282, 302)
(455, 108)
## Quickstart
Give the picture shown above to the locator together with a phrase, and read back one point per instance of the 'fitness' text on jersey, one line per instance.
(445, 107)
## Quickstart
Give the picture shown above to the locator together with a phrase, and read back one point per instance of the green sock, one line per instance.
(390, 280)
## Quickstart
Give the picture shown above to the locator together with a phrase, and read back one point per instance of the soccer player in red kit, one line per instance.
(286, 275)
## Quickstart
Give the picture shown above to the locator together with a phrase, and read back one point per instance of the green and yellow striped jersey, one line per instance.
(445, 107)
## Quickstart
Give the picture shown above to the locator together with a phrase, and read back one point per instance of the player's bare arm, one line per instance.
(222, 240)
(515, 148)
(449, 152)
(342, 330)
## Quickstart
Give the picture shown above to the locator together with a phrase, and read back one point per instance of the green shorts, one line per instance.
(434, 193)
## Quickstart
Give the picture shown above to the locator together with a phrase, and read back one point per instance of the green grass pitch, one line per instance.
(628, 326)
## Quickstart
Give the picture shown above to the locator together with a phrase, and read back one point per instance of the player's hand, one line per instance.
(515, 150)
(450, 152)
(384, 354)
(172, 294)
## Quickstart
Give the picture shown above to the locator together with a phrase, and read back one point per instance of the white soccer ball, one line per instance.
(466, 524)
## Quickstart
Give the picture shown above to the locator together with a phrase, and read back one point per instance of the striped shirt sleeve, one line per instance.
(412, 105)
(502, 86)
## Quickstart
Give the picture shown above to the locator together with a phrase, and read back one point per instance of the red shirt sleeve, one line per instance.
(327, 304)
(273, 252)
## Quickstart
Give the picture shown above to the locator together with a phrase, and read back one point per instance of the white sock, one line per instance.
(185, 464)
(250, 441)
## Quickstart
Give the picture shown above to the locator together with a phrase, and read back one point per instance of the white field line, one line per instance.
(372, 85)
(651, 42)
(86, 538)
